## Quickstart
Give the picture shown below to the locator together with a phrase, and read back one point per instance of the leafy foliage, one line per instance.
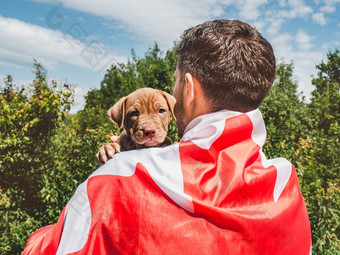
(284, 114)
(29, 118)
(46, 152)
(320, 179)
(308, 135)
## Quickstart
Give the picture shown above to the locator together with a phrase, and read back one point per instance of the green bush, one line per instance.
(29, 118)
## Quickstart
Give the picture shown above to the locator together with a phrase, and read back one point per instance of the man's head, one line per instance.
(233, 63)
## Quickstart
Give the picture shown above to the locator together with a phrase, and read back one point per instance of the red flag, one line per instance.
(213, 193)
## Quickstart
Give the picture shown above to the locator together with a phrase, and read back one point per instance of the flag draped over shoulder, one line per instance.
(213, 193)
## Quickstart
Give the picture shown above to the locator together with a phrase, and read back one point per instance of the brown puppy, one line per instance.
(145, 115)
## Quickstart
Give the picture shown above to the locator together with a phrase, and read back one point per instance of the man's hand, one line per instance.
(108, 150)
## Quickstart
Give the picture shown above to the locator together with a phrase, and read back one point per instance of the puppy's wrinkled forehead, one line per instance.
(146, 102)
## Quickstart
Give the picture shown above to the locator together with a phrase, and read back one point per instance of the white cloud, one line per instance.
(80, 93)
(328, 9)
(152, 20)
(20, 42)
(2, 78)
(304, 60)
(329, 6)
(282, 45)
(259, 25)
(274, 26)
(282, 3)
(319, 18)
(294, 9)
(304, 40)
(249, 9)
(299, 8)
(331, 45)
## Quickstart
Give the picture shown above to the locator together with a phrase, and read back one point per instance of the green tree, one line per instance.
(320, 178)
(284, 112)
(73, 162)
(29, 118)
(308, 135)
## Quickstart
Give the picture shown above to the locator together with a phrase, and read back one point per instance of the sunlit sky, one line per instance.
(77, 40)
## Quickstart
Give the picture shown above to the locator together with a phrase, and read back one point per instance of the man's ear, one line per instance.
(171, 103)
(189, 88)
(117, 112)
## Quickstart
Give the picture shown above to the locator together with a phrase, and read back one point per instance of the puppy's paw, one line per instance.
(107, 151)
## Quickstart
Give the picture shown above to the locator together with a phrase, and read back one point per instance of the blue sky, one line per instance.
(77, 40)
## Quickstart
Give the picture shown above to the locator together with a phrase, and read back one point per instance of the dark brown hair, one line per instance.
(233, 62)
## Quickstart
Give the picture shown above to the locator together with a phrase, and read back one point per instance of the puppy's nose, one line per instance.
(150, 132)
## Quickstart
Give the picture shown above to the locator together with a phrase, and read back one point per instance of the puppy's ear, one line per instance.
(171, 102)
(117, 112)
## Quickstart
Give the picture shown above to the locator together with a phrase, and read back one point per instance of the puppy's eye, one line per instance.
(134, 113)
(161, 110)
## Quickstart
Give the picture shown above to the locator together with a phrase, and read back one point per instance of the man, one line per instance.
(214, 192)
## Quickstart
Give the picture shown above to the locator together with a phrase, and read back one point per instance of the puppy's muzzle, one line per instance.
(149, 136)
(149, 132)
(146, 133)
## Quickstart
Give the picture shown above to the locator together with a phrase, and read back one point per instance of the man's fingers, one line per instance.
(116, 147)
(107, 151)
(101, 155)
(114, 138)
(111, 149)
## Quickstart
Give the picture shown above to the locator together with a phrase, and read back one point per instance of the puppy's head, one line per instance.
(145, 114)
